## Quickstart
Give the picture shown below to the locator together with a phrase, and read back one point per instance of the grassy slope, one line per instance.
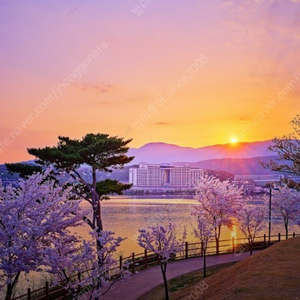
(271, 274)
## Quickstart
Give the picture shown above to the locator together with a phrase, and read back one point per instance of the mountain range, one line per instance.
(237, 166)
(237, 159)
(169, 153)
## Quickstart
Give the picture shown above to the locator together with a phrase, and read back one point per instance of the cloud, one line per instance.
(244, 118)
(274, 1)
(162, 123)
(226, 4)
(96, 88)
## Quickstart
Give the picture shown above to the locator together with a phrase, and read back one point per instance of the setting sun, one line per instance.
(233, 141)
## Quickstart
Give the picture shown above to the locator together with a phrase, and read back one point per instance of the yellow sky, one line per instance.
(194, 74)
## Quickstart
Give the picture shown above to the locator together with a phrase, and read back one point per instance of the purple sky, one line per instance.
(223, 69)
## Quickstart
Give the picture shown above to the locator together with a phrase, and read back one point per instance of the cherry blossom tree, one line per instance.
(218, 202)
(68, 260)
(98, 153)
(285, 203)
(31, 217)
(204, 232)
(81, 268)
(106, 267)
(163, 242)
(288, 150)
(252, 220)
(35, 219)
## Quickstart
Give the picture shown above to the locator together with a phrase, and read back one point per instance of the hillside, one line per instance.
(273, 273)
(237, 159)
(167, 153)
(236, 166)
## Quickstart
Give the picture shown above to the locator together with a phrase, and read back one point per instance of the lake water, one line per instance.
(125, 216)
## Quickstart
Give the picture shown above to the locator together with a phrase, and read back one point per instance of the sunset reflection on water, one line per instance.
(126, 216)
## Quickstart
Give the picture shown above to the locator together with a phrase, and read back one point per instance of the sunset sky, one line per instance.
(191, 73)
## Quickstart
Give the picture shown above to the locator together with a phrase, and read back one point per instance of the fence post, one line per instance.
(47, 290)
(279, 237)
(29, 294)
(120, 262)
(233, 244)
(146, 259)
(294, 234)
(132, 262)
(186, 250)
(264, 241)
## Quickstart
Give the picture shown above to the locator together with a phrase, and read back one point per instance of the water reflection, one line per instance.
(125, 216)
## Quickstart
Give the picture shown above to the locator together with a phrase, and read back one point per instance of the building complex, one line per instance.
(259, 180)
(158, 176)
(252, 183)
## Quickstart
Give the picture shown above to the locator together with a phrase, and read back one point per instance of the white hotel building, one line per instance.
(155, 176)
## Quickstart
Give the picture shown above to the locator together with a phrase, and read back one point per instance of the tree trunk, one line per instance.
(96, 202)
(251, 247)
(11, 286)
(163, 267)
(204, 263)
(99, 226)
(286, 225)
(217, 236)
(99, 219)
(217, 246)
(8, 292)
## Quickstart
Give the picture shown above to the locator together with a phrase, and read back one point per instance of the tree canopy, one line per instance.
(32, 217)
(97, 152)
(218, 202)
(163, 242)
(288, 150)
(100, 151)
(35, 235)
(24, 170)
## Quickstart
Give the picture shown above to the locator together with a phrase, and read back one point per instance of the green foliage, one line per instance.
(108, 186)
(24, 170)
(222, 175)
(100, 151)
(96, 152)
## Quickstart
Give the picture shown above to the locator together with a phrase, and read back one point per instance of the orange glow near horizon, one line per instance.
(160, 78)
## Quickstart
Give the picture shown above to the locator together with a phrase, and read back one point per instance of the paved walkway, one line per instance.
(144, 281)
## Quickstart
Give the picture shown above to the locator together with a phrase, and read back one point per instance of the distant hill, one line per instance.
(168, 153)
(237, 166)
(119, 174)
(7, 178)
(237, 159)
(223, 168)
